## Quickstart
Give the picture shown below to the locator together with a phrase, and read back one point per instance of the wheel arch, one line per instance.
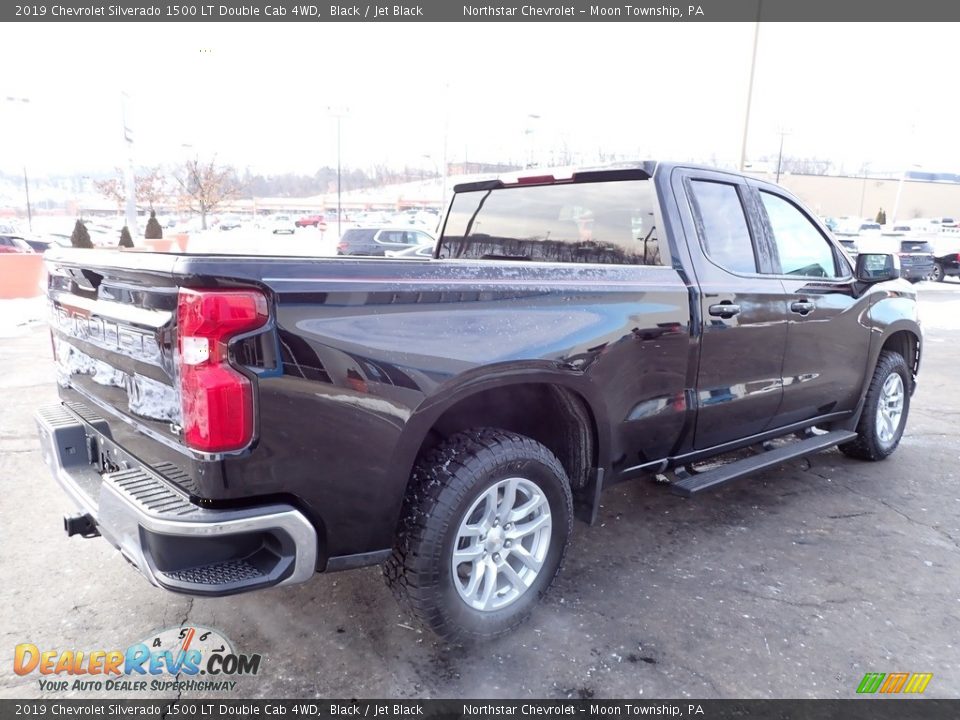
(906, 339)
(903, 336)
(557, 410)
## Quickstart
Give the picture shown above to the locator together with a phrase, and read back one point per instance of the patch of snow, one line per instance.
(17, 316)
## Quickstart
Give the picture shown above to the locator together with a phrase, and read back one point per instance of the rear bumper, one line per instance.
(172, 541)
(917, 271)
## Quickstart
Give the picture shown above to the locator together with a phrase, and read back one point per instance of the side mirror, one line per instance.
(877, 267)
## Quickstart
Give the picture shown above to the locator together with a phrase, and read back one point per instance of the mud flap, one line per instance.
(586, 501)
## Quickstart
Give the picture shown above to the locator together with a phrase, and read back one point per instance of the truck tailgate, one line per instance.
(112, 320)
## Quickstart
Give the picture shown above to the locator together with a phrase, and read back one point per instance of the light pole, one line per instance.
(436, 171)
(129, 176)
(338, 113)
(753, 67)
(529, 131)
(896, 203)
(26, 180)
(780, 154)
(863, 188)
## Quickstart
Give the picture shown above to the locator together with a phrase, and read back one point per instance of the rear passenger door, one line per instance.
(827, 345)
(742, 314)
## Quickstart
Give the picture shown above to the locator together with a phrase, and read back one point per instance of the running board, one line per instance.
(694, 483)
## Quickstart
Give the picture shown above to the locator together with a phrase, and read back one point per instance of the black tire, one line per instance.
(868, 445)
(446, 483)
(937, 273)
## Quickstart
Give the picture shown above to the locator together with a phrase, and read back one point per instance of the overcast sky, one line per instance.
(257, 95)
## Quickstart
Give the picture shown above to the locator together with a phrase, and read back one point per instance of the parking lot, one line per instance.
(793, 583)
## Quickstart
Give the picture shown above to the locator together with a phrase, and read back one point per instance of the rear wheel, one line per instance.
(885, 410)
(937, 273)
(484, 529)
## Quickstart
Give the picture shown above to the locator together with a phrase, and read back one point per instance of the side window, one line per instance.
(802, 248)
(723, 225)
(390, 236)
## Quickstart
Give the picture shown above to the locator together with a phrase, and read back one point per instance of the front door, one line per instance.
(827, 343)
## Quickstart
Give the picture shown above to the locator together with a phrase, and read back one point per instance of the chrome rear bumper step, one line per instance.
(172, 541)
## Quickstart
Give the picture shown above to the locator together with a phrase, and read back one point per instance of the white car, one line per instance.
(421, 251)
(860, 228)
(280, 224)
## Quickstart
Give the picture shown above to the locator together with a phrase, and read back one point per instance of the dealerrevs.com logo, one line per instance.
(178, 658)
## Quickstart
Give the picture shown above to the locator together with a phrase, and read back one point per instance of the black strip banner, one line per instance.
(859, 709)
(494, 10)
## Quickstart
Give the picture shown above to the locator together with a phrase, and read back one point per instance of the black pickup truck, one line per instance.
(233, 423)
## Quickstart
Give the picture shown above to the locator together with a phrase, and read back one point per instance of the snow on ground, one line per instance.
(19, 315)
(939, 307)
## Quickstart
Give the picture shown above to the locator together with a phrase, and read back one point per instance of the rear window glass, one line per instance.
(603, 222)
(913, 246)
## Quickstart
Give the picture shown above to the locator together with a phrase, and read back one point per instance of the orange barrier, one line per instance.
(161, 245)
(20, 275)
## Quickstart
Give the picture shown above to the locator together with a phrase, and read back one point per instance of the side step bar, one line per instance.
(698, 482)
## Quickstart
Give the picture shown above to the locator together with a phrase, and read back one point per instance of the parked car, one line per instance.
(230, 222)
(857, 227)
(42, 244)
(848, 243)
(14, 244)
(264, 421)
(317, 221)
(945, 265)
(280, 224)
(899, 229)
(377, 240)
(414, 251)
(915, 254)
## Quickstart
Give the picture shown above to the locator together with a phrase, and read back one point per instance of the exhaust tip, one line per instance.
(80, 524)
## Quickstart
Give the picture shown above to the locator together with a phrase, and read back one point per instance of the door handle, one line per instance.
(802, 307)
(725, 310)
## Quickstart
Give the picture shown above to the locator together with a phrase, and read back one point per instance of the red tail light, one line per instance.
(216, 400)
(341, 246)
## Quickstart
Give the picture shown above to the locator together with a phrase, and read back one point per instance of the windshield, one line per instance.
(908, 246)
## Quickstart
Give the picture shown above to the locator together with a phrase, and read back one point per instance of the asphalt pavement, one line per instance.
(792, 584)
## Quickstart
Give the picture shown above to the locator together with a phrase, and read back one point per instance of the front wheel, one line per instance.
(885, 410)
(937, 273)
(485, 526)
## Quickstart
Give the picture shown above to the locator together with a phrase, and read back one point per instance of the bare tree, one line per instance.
(150, 188)
(205, 186)
(112, 189)
(794, 165)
